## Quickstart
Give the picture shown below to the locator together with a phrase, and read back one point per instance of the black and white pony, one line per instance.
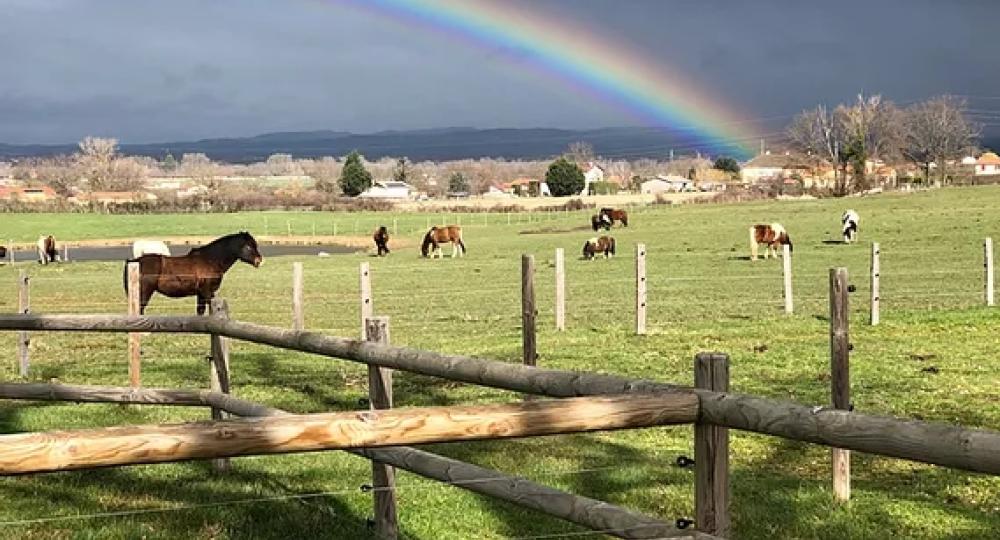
(850, 221)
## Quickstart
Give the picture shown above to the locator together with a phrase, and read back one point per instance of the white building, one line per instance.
(593, 174)
(388, 189)
(987, 164)
(666, 184)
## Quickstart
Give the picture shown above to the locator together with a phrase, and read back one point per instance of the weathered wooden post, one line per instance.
(218, 374)
(65, 252)
(528, 312)
(288, 227)
(840, 375)
(10, 251)
(640, 289)
(23, 307)
(711, 452)
(367, 309)
(134, 339)
(298, 317)
(560, 289)
(395, 227)
(786, 265)
(988, 264)
(335, 228)
(875, 277)
(380, 397)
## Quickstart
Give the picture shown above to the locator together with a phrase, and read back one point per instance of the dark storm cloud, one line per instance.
(145, 71)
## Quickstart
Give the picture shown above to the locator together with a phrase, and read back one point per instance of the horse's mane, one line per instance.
(222, 242)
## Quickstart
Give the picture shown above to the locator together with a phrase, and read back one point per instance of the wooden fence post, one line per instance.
(395, 227)
(786, 265)
(65, 252)
(298, 317)
(875, 277)
(134, 346)
(711, 452)
(367, 309)
(23, 307)
(988, 264)
(288, 227)
(10, 251)
(218, 362)
(560, 289)
(528, 312)
(840, 375)
(640, 289)
(380, 397)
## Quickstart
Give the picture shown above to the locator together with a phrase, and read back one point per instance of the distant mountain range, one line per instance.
(426, 144)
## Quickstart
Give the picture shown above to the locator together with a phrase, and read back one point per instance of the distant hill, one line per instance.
(426, 144)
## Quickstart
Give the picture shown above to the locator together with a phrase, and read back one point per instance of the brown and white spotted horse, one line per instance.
(47, 251)
(615, 214)
(601, 244)
(431, 245)
(381, 238)
(772, 236)
(599, 221)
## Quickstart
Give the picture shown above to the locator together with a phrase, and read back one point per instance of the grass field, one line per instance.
(703, 295)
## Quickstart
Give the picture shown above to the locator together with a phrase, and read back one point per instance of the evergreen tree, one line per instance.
(354, 178)
(564, 178)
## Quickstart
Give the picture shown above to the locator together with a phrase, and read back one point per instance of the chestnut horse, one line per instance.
(47, 251)
(602, 244)
(381, 238)
(615, 214)
(440, 235)
(199, 273)
(772, 236)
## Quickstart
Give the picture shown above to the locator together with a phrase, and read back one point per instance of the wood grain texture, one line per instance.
(876, 285)
(560, 309)
(24, 308)
(78, 449)
(365, 286)
(786, 272)
(134, 343)
(711, 452)
(298, 309)
(218, 362)
(380, 398)
(840, 375)
(529, 342)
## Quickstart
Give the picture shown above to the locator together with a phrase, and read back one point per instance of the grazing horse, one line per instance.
(615, 214)
(440, 235)
(597, 221)
(197, 273)
(149, 247)
(47, 250)
(381, 238)
(602, 244)
(850, 221)
(772, 235)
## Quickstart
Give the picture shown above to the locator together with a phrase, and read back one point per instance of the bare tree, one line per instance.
(872, 129)
(324, 172)
(95, 161)
(938, 131)
(203, 172)
(817, 132)
(580, 152)
(58, 172)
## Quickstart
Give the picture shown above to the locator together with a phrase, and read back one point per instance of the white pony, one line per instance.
(149, 247)
(850, 221)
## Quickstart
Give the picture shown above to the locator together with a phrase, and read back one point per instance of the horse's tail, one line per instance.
(612, 242)
(586, 244)
(788, 240)
(625, 218)
(125, 276)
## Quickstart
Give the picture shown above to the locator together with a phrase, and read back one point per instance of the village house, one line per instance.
(527, 187)
(768, 166)
(25, 194)
(987, 164)
(388, 189)
(666, 184)
(592, 173)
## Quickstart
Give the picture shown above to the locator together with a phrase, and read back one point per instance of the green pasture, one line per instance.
(703, 295)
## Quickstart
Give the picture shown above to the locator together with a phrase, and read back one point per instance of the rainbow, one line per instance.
(585, 60)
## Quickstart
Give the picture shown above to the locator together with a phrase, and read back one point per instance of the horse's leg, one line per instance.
(145, 293)
(454, 250)
(202, 304)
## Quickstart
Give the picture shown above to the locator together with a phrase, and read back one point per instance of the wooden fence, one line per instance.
(602, 402)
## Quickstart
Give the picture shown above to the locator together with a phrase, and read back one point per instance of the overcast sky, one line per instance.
(146, 71)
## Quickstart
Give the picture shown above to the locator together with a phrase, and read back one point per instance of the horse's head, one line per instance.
(425, 246)
(248, 251)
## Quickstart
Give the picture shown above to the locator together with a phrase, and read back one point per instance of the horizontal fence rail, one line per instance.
(927, 442)
(104, 447)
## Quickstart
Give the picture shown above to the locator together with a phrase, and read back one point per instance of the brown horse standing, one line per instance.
(615, 214)
(440, 235)
(381, 238)
(197, 273)
(772, 236)
(603, 244)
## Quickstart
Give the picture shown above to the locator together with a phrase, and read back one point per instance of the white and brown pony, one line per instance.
(773, 236)
(431, 245)
(850, 221)
(601, 244)
(149, 247)
(47, 251)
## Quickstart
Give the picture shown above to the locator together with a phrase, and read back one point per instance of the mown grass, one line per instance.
(703, 295)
